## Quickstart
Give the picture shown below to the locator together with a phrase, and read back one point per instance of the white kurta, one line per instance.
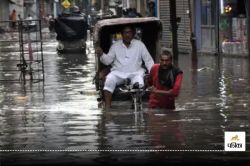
(126, 62)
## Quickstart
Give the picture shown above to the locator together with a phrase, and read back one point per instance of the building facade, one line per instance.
(219, 27)
(4, 10)
(222, 26)
(183, 32)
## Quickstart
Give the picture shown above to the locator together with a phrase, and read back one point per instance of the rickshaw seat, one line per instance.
(105, 71)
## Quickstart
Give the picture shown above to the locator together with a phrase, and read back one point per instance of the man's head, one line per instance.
(166, 59)
(128, 33)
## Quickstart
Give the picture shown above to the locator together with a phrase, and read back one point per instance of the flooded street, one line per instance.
(58, 121)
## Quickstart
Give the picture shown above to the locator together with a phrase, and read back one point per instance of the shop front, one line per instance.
(222, 27)
(233, 27)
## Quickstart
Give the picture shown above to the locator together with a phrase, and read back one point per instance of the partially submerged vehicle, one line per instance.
(97, 16)
(148, 30)
(71, 30)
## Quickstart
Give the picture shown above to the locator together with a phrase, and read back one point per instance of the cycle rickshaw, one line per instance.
(71, 30)
(148, 30)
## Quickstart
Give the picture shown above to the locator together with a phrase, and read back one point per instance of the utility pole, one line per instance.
(173, 22)
(102, 5)
(192, 36)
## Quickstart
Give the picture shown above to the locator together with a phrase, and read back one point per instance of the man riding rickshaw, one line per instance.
(126, 49)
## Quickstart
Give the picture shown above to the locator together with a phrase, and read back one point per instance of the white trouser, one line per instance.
(115, 78)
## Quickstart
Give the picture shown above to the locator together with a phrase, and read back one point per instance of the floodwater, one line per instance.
(58, 121)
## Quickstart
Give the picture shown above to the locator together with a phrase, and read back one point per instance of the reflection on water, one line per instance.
(62, 113)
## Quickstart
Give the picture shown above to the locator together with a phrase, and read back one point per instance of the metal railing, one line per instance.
(21, 51)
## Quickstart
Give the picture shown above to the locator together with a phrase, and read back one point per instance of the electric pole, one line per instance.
(173, 22)
(192, 35)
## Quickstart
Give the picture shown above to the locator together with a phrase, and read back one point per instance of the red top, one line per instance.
(163, 101)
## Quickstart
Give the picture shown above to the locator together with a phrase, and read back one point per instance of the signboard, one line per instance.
(66, 4)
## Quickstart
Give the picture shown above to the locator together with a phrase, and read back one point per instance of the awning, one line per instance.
(12, 1)
(28, 1)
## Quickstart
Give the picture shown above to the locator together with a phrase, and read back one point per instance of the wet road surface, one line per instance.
(58, 121)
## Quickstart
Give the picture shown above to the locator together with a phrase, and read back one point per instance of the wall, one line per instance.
(4, 10)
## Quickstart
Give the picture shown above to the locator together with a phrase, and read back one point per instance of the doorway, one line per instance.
(208, 25)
